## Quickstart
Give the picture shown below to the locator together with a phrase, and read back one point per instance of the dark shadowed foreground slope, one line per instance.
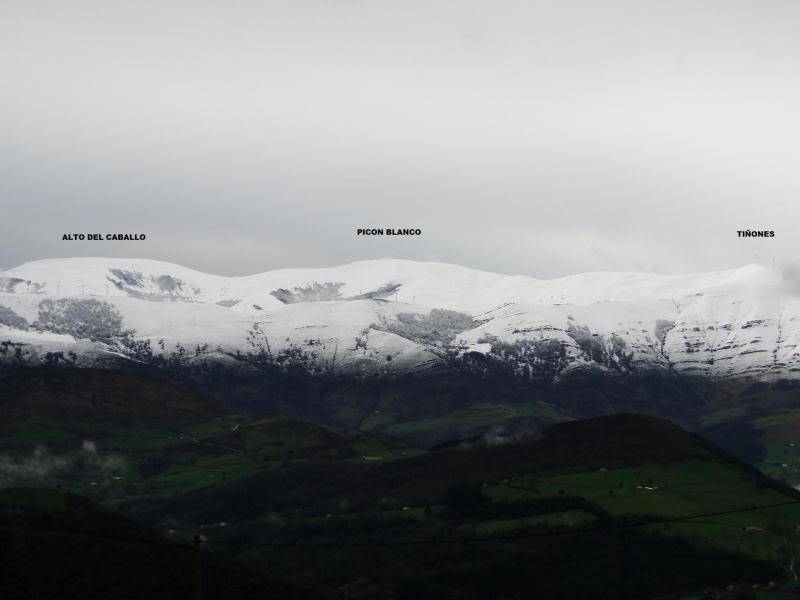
(57, 545)
(621, 506)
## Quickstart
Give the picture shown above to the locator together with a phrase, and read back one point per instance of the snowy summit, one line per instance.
(397, 316)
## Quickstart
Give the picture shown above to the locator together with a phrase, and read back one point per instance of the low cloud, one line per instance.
(791, 277)
(43, 464)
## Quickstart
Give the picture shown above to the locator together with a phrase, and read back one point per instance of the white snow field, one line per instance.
(741, 322)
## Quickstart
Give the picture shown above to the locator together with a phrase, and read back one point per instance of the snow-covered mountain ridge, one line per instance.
(398, 316)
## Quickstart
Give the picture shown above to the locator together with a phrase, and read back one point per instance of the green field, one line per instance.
(634, 503)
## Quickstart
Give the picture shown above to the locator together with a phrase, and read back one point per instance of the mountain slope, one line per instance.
(616, 474)
(617, 496)
(389, 317)
(60, 545)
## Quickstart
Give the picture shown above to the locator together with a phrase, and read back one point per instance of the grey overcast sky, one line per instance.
(543, 138)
